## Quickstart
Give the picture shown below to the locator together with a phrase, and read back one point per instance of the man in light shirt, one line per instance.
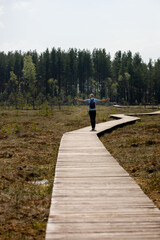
(92, 108)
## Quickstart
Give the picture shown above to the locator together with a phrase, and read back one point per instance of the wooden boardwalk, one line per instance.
(94, 198)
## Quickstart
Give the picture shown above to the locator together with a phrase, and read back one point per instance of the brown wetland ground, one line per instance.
(29, 142)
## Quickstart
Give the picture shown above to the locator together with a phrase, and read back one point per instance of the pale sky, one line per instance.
(82, 24)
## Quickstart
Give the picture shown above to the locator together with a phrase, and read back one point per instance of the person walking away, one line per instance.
(92, 108)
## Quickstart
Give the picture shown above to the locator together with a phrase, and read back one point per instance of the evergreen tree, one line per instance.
(71, 73)
(13, 89)
(156, 82)
(102, 69)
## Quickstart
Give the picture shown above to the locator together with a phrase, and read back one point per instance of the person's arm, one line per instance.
(104, 100)
(79, 100)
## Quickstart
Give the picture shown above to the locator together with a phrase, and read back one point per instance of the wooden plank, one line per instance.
(100, 218)
(103, 227)
(103, 180)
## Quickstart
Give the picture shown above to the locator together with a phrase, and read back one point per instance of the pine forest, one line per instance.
(57, 77)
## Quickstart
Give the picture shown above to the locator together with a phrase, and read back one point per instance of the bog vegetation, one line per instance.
(36, 108)
(58, 76)
(29, 142)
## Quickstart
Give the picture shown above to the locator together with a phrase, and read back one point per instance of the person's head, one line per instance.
(91, 95)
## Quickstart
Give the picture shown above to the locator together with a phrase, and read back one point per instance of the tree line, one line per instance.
(57, 76)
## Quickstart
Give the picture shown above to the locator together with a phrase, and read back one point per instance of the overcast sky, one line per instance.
(83, 24)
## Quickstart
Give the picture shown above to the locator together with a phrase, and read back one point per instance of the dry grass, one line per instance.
(29, 142)
(137, 148)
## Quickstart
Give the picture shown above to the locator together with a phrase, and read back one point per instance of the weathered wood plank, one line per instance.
(147, 235)
(103, 227)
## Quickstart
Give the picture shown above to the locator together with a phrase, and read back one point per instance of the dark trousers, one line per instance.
(92, 115)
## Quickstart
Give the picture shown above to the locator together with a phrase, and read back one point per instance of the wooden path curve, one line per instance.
(93, 197)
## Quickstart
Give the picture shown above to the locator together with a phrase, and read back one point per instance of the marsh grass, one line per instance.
(29, 142)
(137, 148)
